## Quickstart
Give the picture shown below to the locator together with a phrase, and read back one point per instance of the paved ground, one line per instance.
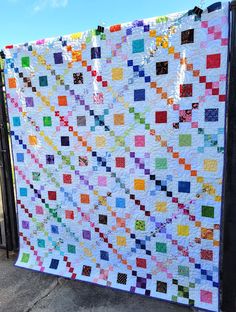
(26, 291)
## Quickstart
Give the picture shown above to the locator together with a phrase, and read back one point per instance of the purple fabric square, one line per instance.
(58, 58)
(25, 225)
(29, 102)
(86, 234)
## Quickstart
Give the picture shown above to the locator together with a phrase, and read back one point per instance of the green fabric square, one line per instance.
(161, 247)
(185, 140)
(120, 141)
(71, 248)
(25, 258)
(138, 45)
(183, 270)
(208, 211)
(47, 121)
(140, 225)
(161, 163)
(41, 243)
(25, 61)
(36, 176)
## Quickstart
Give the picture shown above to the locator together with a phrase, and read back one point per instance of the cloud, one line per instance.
(43, 4)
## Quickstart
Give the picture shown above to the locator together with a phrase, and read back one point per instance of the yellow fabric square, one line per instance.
(32, 140)
(210, 165)
(117, 73)
(183, 230)
(139, 185)
(121, 241)
(100, 141)
(161, 206)
(119, 119)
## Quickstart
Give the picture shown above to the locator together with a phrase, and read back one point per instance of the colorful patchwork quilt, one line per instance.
(118, 145)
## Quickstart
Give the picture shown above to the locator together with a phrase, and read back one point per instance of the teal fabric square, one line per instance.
(16, 121)
(43, 81)
(23, 191)
(138, 45)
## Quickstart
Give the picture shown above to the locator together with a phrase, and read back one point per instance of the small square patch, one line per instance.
(81, 121)
(186, 90)
(161, 117)
(162, 68)
(43, 81)
(138, 45)
(25, 61)
(78, 78)
(122, 278)
(213, 61)
(95, 52)
(139, 95)
(65, 141)
(187, 36)
(58, 59)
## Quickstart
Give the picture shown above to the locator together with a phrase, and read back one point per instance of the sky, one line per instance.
(29, 20)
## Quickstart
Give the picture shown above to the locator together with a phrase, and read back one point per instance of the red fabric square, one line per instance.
(202, 79)
(161, 117)
(206, 254)
(52, 195)
(67, 179)
(186, 90)
(141, 263)
(213, 61)
(120, 162)
(69, 214)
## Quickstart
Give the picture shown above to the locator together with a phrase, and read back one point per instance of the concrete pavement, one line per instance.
(27, 291)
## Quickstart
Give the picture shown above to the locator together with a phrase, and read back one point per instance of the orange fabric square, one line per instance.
(84, 198)
(12, 83)
(118, 119)
(32, 140)
(62, 100)
(139, 185)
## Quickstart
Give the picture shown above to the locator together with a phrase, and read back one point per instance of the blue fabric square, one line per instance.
(58, 58)
(120, 202)
(138, 45)
(211, 114)
(54, 264)
(20, 157)
(16, 121)
(54, 229)
(130, 62)
(23, 191)
(104, 255)
(129, 31)
(139, 95)
(184, 187)
(95, 52)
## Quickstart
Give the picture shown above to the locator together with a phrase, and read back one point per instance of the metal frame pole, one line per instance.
(7, 188)
(229, 217)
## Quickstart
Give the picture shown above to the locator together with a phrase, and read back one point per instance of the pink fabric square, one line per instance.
(194, 124)
(39, 210)
(102, 181)
(140, 140)
(176, 106)
(224, 42)
(206, 296)
(215, 84)
(204, 24)
(217, 35)
(211, 30)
